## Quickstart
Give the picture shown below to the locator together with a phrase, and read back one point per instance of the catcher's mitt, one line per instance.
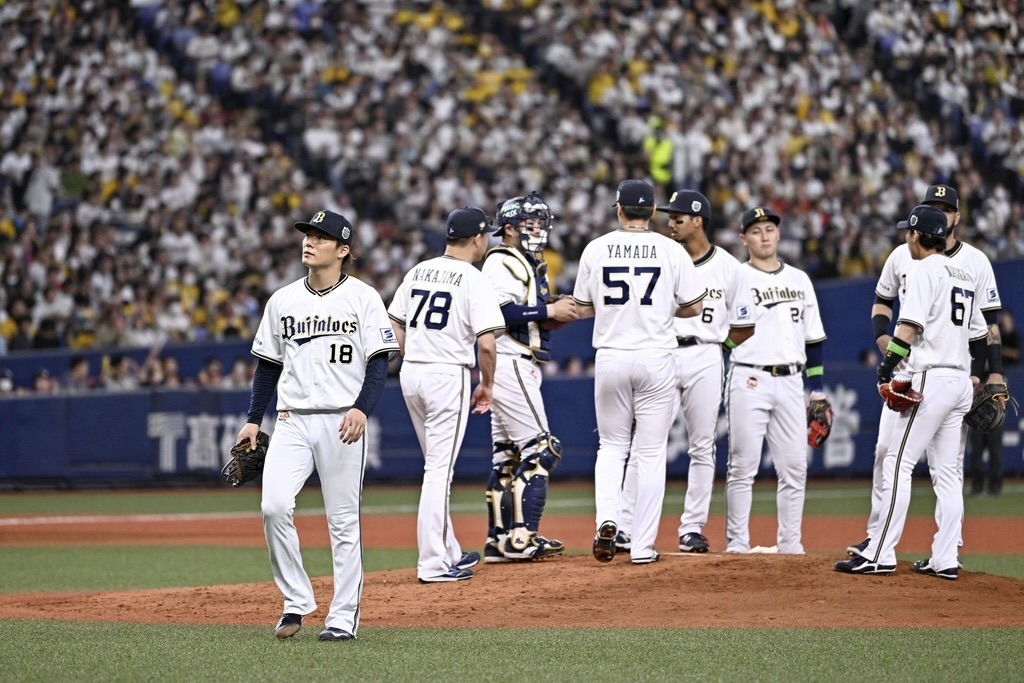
(987, 411)
(819, 422)
(898, 395)
(246, 464)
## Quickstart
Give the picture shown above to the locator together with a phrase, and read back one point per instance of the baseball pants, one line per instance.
(517, 410)
(304, 440)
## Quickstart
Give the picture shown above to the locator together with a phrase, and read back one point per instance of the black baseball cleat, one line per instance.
(288, 626)
(858, 548)
(332, 633)
(693, 543)
(622, 542)
(604, 542)
(859, 564)
(924, 567)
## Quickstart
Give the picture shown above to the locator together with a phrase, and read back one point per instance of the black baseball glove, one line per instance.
(988, 412)
(819, 422)
(246, 464)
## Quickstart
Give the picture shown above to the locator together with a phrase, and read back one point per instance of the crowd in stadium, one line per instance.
(153, 158)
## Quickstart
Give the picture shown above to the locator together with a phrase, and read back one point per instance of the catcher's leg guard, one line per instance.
(499, 499)
(530, 487)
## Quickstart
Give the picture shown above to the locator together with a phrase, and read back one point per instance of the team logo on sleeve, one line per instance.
(743, 313)
(387, 335)
(993, 295)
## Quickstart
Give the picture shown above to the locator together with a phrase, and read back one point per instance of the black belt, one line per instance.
(526, 356)
(777, 370)
(688, 341)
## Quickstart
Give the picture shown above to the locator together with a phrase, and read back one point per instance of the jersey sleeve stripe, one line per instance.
(387, 349)
(984, 336)
(490, 329)
(582, 302)
(815, 341)
(908, 321)
(398, 320)
(985, 309)
(699, 298)
(268, 359)
(741, 327)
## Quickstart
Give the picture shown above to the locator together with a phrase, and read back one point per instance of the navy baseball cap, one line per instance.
(635, 193)
(942, 194)
(467, 222)
(688, 202)
(329, 223)
(926, 219)
(756, 215)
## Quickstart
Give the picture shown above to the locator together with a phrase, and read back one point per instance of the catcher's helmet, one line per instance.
(528, 215)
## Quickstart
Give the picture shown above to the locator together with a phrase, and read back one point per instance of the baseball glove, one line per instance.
(819, 422)
(988, 412)
(246, 464)
(898, 395)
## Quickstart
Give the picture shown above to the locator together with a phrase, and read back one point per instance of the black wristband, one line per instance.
(897, 351)
(995, 358)
(978, 355)
(880, 325)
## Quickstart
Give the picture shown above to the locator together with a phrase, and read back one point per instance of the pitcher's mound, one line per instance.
(685, 591)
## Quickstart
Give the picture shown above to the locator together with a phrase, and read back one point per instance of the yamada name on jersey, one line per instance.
(311, 327)
(773, 296)
(632, 251)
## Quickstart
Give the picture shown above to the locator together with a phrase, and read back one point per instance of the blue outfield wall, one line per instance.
(156, 437)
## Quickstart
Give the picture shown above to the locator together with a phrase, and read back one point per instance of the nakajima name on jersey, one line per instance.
(437, 276)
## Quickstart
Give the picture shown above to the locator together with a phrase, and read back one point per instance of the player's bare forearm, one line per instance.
(738, 335)
(690, 310)
(584, 311)
(906, 332)
(486, 358)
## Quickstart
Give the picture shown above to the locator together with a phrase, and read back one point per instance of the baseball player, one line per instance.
(727, 320)
(766, 392)
(634, 282)
(890, 285)
(326, 338)
(442, 308)
(525, 451)
(938, 310)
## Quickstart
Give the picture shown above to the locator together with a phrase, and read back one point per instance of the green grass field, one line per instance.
(72, 651)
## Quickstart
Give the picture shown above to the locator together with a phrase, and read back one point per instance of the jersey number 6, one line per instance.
(436, 317)
(614, 277)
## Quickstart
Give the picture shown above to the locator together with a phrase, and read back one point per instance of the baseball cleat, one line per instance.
(924, 567)
(861, 565)
(332, 633)
(493, 554)
(453, 574)
(469, 560)
(648, 560)
(858, 548)
(623, 542)
(693, 543)
(288, 626)
(604, 542)
(536, 548)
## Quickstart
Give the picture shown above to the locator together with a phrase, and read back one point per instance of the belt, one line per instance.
(777, 370)
(526, 356)
(688, 341)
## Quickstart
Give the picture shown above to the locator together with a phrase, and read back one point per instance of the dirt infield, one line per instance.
(680, 591)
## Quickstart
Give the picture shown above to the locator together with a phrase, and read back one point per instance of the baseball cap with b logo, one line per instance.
(689, 202)
(756, 215)
(926, 219)
(467, 222)
(942, 194)
(329, 223)
(635, 193)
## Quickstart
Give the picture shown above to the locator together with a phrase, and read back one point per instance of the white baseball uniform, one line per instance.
(699, 375)
(891, 284)
(444, 304)
(324, 340)
(766, 402)
(635, 280)
(940, 299)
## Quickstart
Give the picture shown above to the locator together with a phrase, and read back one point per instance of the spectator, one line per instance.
(78, 378)
(120, 373)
